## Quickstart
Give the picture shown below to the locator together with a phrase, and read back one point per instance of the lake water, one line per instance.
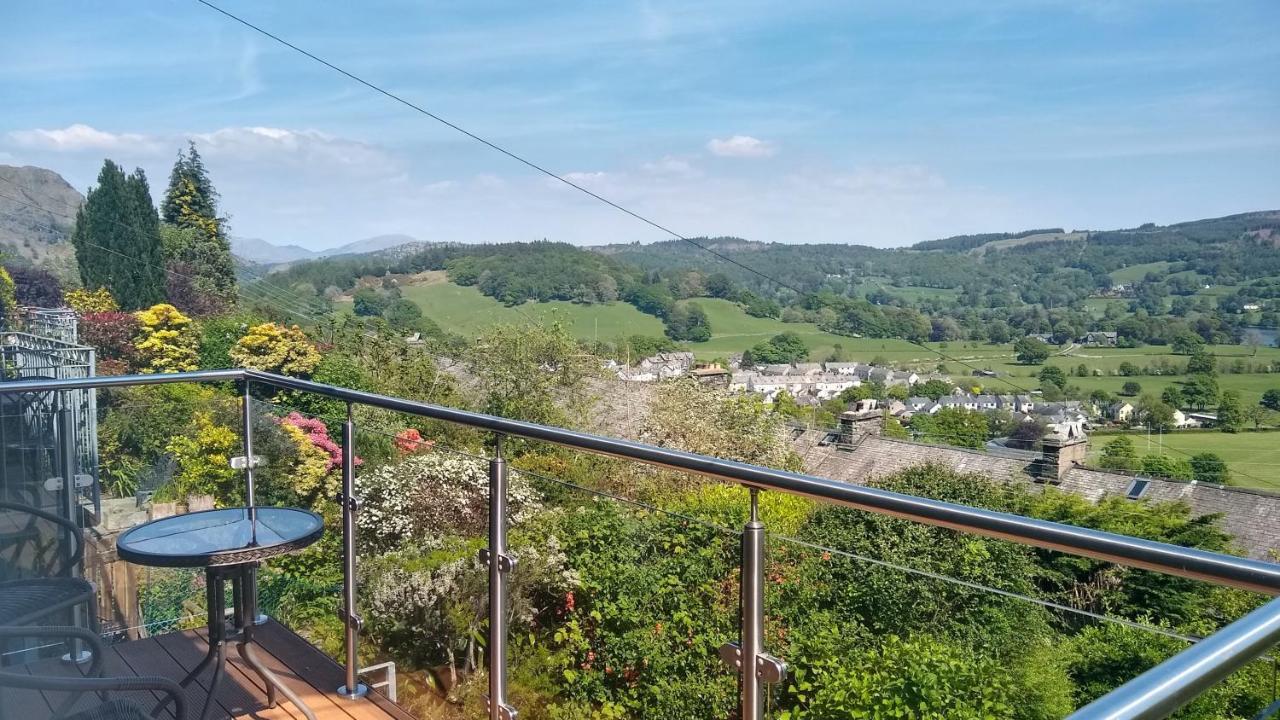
(1267, 336)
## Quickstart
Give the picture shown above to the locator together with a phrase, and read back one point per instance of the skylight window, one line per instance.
(1136, 488)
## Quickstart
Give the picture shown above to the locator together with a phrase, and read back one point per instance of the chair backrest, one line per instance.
(36, 543)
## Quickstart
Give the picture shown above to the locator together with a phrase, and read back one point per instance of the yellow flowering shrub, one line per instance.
(167, 341)
(90, 301)
(310, 478)
(203, 461)
(271, 347)
(8, 292)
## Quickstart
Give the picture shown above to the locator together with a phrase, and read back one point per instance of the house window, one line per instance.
(1136, 488)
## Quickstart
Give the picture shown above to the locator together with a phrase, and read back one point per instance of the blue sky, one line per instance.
(863, 122)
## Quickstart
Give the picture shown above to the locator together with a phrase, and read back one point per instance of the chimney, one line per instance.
(1064, 448)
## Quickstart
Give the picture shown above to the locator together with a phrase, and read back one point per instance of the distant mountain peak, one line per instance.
(264, 252)
(36, 226)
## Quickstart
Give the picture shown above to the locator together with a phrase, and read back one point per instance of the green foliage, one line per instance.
(370, 302)
(534, 372)
(1031, 351)
(952, 426)
(517, 272)
(1127, 592)
(643, 631)
(921, 678)
(203, 459)
(198, 246)
(1200, 391)
(783, 348)
(1155, 414)
(219, 334)
(117, 239)
(1209, 467)
(1106, 654)
(1053, 375)
(933, 388)
(1131, 388)
(1164, 466)
(1231, 417)
(687, 321)
(1202, 362)
(1271, 399)
(1119, 454)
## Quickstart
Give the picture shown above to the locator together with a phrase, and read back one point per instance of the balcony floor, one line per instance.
(308, 672)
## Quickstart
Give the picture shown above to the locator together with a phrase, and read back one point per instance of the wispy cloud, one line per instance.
(742, 146)
(78, 137)
(670, 165)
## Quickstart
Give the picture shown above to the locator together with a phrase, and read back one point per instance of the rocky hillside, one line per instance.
(41, 234)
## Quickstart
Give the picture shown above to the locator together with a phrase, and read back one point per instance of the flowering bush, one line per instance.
(90, 301)
(309, 478)
(410, 441)
(429, 602)
(434, 494)
(318, 435)
(112, 333)
(275, 348)
(167, 341)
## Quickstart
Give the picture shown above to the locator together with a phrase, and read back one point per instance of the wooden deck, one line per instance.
(308, 672)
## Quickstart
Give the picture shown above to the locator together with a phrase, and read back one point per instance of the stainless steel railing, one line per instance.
(1154, 694)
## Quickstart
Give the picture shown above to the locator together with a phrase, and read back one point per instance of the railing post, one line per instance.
(246, 437)
(352, 688)
(755, 667)
(246, 440)
(66, 434)
(500, 565)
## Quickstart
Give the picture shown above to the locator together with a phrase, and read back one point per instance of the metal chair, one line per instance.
(50, 587)
(93, 682)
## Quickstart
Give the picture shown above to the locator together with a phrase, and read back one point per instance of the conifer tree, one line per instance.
(117, 238)
(198, 248)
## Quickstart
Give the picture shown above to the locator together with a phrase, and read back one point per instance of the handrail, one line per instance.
(1219, 568)
(1177, 681)
(1152, 695)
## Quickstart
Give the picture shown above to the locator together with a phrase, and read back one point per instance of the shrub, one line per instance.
(270, 347)
(112, 334)
(90, 301)
(433, 494)
(167, 340)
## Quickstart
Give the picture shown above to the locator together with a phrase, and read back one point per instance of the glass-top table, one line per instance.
(213, 538)
(229, 544)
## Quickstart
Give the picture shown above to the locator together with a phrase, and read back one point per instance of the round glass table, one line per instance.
(229, 544)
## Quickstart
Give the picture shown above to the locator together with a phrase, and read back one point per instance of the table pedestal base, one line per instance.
(244, 593)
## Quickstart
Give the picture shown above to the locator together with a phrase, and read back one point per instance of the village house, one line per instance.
(1099, 338)
(1120, 411)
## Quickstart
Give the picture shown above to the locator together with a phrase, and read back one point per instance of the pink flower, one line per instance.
(318, 434)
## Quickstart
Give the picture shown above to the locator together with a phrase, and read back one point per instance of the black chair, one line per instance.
(101, 708)
(47, 584)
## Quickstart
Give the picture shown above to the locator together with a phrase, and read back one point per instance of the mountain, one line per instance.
(369, 245)
(37, 208)
(262, 252)
(259, 251)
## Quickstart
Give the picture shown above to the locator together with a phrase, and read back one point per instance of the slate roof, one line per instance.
(1251, 516)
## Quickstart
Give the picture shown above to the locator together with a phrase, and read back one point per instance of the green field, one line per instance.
(466, 311)
(1252, 457)
(1135, 273)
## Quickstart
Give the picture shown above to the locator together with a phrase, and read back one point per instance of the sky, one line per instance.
(846, 121)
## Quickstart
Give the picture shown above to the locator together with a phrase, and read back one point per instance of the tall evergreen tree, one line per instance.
(198, 250)
(117, 239)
